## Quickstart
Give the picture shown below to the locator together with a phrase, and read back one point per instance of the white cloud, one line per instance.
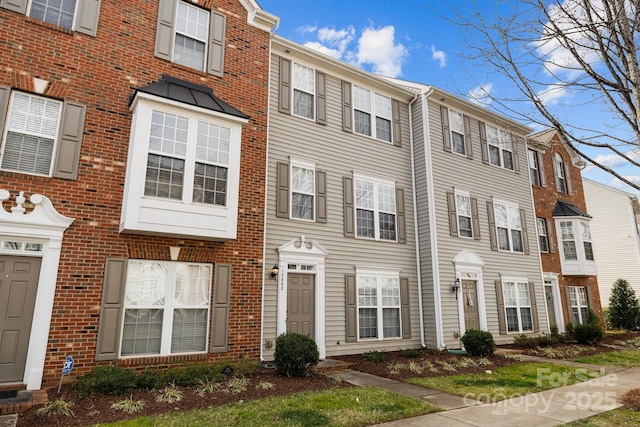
(481, 94)
(376, 48)
(614, 161)
(552, 94)
(439, 56)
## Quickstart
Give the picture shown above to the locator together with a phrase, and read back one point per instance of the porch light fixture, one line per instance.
(456, 287)
(274, 271)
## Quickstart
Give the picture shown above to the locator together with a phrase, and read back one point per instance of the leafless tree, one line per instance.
(584, 49)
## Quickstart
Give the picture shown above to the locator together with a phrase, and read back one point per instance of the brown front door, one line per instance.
(470, 304)
(300, 303)
(18, 286)
(548, 293)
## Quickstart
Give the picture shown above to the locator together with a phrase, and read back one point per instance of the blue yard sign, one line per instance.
(68, 365)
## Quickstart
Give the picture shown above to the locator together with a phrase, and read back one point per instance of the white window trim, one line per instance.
(516, 281)
(533, 165)
(458, 215)
(175, 32)
(546, 233)
(372, 113)
(305, 165)
(168, 309)
(557, 302)
(75, 14)
(451, 132)
(376, 210)
(517, 207)
(580, 266)
(580, 320)
(469, 266)
(155, 215)
(293, 89)
(500, 145)
(558, 169)
(55, 138)
(378, 273)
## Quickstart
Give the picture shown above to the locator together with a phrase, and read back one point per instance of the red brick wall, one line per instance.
(102, 72)
(545, 200)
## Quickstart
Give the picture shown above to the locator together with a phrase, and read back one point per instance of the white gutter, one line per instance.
(432, 221)
(415, 223)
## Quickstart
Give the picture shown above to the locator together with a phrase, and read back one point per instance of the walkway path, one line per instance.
(548, 408)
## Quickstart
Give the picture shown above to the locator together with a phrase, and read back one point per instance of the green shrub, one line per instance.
(374, 356)
(411, 353)
(588, 333)
(295, 354)
(624, 311)
(106, 380)
(478, 343)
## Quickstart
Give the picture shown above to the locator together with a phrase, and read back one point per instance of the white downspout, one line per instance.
(415, 223)
(432, 222)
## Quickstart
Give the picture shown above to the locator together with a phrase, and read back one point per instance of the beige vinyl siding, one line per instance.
(339, 154)
(614, 236)
(482, 182)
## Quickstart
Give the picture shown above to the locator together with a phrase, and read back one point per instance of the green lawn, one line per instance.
(349, 407)
(506, 382)
(616, 418)
(623, 358)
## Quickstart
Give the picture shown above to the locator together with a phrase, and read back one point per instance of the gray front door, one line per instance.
(470, 304)
(300, 303)
(18, 286)
(548, 293)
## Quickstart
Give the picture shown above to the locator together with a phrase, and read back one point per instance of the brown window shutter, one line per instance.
(475, 218)
(570, 316)
(515, 140)
(525, 231)
(401, 222)
(405, 308)
(111, 309)
(502, 320)
(446, 134)
(321, 196)
(351, 307)
(541, 173)
(87, 17)
(550, 237)
(534, 307)
(349, 213)
(493, 234)
(4, 105)
(397, 131)
(453, 215)
(347, 113)
(164, 30)
(19, 6)
(215, 59)
(284, 97)
(484, 147)
(68, 150)
(567, 178)
(220, 309)
(467, 137)
(321, 96)
(282, 191)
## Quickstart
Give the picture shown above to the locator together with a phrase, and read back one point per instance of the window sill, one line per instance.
(159, 360)
(49, 25)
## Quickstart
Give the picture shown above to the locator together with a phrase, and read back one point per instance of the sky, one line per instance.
(424, 41)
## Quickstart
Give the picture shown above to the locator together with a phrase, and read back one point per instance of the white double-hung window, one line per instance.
(304, 90)
(500, 147)
(369, 106)
(579, 304)
(192, 32)
(378, 305)
(166, 308)
(375, 203)
(303, 191)
(508, 226)
(517, 305)
(463, 211)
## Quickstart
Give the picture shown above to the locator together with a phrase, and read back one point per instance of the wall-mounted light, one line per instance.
(456, 287)
(274, 271)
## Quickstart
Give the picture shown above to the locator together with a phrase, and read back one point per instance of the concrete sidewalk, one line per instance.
(548, 408)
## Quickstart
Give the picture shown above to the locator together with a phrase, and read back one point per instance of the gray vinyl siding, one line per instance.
(339, 154)
(424, 231)
(483, 182)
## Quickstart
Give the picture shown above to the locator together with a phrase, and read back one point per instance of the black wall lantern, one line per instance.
(274, 271)
(456, 287)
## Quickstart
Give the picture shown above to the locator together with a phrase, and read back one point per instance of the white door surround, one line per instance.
(42, 225)
(552, 279)
(312, 255)
(468, 266)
